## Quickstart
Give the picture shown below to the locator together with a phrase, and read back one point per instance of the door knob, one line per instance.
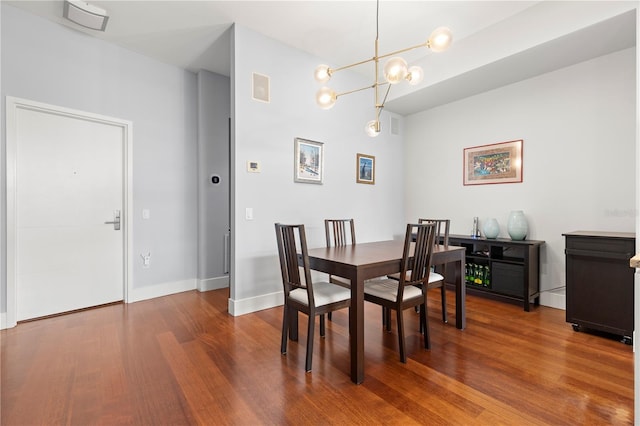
(116, 220)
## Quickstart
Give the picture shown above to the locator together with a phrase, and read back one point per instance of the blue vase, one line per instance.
(491, 228)
(517, 225)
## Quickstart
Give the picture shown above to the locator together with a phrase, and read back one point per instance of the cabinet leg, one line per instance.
(627, 340)
(576, 327)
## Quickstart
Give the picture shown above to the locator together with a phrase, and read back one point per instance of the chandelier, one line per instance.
(395, 70)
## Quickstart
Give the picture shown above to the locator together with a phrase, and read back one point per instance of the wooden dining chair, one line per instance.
(336, 234)
(301, 294)
(410, 290)
(436, 277)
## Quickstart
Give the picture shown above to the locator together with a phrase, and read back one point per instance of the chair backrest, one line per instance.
(418, 270)
(337, 228)
(292, 248)
(442, 230)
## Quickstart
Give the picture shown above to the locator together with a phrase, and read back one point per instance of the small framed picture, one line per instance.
(366, 169)
(308, 161)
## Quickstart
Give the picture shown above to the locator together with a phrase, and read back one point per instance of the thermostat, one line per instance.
(253, 166)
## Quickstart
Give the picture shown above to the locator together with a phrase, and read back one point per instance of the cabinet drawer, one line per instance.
(507, 278)
(622, 246)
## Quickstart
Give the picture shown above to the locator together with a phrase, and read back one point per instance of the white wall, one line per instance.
(578, 126)
(265, 132)
(53, 64)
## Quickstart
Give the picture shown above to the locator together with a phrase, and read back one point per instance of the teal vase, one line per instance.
(517, 225)
(491, 228)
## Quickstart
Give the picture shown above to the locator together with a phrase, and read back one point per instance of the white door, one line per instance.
(68, 183)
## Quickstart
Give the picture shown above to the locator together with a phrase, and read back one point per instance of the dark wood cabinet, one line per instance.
(511, 268)
(600, 281)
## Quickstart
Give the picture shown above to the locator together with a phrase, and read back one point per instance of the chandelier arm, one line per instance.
(351, 65)
(355, 90)
(385, 97)
(386, 55)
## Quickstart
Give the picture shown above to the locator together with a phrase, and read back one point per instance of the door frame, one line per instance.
(14, 104)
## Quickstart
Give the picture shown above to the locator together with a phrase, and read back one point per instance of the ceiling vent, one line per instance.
(85, 15)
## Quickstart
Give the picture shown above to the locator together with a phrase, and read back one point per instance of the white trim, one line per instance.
(3, 320)
(213, 283)
(554, 298)
(159, 290)
(253, 304)
(12, 106)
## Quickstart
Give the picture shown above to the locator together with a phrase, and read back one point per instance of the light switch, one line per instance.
(146, 214)
(248, 213)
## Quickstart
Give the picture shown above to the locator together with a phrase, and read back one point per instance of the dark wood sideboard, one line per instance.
(513, 268)
(600, 282)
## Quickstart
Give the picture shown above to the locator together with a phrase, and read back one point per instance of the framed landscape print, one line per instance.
(495, 163)
(308, 161)
(366, 169)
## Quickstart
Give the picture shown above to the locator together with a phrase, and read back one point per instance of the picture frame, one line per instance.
(308, 161)
(365, 169)
(493, 163)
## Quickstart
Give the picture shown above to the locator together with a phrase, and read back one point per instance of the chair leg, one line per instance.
(387, 318)
(322, 329)
(403, 356)
(424, 325)
(444, 302)
(329, 315)
(310, 330)
(293, 325)
(285, 330)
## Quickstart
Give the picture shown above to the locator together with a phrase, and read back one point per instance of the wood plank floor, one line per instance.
(182, 359)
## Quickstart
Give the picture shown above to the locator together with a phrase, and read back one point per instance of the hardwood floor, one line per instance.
(182, 359)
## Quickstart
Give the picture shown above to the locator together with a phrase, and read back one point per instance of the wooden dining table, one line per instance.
(360, 262)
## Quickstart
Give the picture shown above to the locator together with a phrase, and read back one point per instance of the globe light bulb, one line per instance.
(440, 39)
(322, 74)
(326, 98)
(415, 75)
(372, 128)
(395, 70)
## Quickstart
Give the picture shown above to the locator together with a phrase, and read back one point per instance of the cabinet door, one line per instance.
(600, 292)
(507, 278)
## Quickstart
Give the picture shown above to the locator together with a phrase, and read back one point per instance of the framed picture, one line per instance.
(308, 161)
(366, 169)
(495, 163)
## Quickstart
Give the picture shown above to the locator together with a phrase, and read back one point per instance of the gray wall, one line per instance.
(213, 159)
(53, 64)
(265, 132)
(578, 126)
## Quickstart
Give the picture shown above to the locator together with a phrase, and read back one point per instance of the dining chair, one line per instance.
(301, 294)
(410, 290)
(436, 277)
(336, 234)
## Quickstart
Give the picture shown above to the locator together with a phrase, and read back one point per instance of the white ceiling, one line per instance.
(195, 34)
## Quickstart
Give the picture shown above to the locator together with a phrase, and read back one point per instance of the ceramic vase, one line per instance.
(491, 228)
(517, 225)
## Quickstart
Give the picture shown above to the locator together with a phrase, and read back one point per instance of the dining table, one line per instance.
(363, 261)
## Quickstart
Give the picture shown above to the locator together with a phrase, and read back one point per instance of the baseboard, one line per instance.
(254, 304)
(213, 283)
(554, 298)
(159, 290)
(3, 321)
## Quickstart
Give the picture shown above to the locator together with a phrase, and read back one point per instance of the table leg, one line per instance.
(461, 292)
(356, 329)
